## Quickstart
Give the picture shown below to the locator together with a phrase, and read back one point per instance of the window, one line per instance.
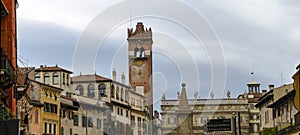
(126, 96)
(204, 120)
(63, 78)
(54, 128)
(84, 121)
(112, 91)
(136, 52)
(67, 79)
(46, 78)
(98, 123)
(142, 52)
(79, 89)
(171, 120)
(37, 77)
(139, 122)
(266, 117)
(117, 93)
(50, 128)
(122, 94)
(36, 116)
(101, 90)
(90, 122)
(75, 120)
(127, 114)
(71, 133)
(132, 118)
(62, 131)
(91, 90)
(55, 78)
(45, 127)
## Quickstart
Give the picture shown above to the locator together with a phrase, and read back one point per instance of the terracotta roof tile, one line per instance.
(52, 68)
(89, 78)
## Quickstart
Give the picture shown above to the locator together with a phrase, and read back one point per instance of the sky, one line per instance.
(210, 45)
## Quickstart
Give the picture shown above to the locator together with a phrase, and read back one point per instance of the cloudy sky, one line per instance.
(208, 44)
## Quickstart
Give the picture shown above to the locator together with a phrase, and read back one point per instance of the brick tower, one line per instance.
(140, 62)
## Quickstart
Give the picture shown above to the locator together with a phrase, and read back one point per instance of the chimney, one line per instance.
(114, 75)
(271, 86)
(123, 78)
(264, 92)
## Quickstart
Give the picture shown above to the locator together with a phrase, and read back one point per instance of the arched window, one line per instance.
(91, 90)
(55, 78)
(142, 52)
(126, 96)
(122, 94)
(117, 93)
(37, 77)
(46, 78)
(112, 91)
(101, 90)
(79, 89)
(136, 52)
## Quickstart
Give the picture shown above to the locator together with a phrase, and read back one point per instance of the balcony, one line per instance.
(6, 71)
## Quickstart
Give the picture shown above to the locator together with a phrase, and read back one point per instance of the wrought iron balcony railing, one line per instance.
(6, 71)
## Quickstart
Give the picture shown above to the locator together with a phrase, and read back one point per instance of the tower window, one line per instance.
(142, 52)
(136, 52)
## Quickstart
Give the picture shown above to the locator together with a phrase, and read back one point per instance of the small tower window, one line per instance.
(142, 52)
(136, 52)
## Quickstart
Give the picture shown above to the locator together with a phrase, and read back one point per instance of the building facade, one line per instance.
(184, 116)
(277, 109)
(127, 109)
(8, 58)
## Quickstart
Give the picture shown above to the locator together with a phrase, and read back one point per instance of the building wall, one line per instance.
(50, 117)
(35, 123)
(9, 45)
